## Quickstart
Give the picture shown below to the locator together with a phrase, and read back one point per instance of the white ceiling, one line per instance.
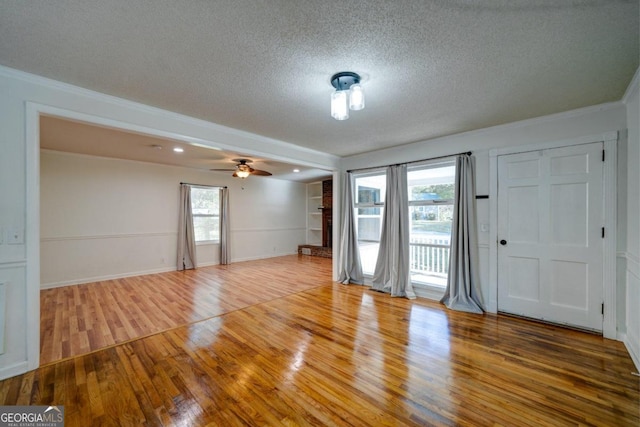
(82, 138)
(431, 67)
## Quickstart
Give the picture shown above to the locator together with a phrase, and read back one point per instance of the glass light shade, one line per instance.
(242, 174)
(339, 108)
(356, 97)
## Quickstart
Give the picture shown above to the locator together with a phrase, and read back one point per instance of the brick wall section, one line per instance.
(327, 205)
(327, 193)
(315, 251)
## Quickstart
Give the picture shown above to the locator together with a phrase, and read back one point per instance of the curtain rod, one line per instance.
(408, 163)
(202, 185)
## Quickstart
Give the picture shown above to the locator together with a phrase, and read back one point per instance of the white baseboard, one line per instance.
(13, 370)
(254, 258)
(144, 272)
(106, 277)
(207, 264)
(633, 351)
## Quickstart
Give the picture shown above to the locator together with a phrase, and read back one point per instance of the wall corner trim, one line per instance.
(633, 87)
(633, 352)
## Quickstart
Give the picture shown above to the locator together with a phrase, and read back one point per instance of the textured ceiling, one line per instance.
(430, 67)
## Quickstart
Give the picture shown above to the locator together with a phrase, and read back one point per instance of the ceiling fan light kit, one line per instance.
(243, 170)
(348, 95)
(242, 174)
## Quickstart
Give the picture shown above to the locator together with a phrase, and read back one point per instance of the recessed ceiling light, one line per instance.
(178, 149)
(296, 170)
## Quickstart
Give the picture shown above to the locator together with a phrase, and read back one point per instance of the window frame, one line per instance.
(434, 164)
(432, 287)
(382, 171)
(357, 205)
(214, 215)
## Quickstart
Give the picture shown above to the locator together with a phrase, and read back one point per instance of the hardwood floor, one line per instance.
(76, 320)
(307, 351)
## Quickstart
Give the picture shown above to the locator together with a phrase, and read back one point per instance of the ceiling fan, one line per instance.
(243, 170)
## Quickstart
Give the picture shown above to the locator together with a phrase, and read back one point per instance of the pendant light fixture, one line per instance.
(347, 96)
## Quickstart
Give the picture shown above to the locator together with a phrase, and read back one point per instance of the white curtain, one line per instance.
(350, 266)
(463, 284)
(225, 234)
(186, 238)
(392, 273)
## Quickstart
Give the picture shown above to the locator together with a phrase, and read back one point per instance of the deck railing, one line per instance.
(429, 256)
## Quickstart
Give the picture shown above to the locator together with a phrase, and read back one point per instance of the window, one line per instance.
(431, 188)
(205, 207)
(431, 197)
(370, 192)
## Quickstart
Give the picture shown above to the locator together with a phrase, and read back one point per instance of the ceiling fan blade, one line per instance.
(235, 175)
(260, 173)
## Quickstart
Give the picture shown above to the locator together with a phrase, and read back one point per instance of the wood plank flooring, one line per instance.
(76, 320)
(339, 355)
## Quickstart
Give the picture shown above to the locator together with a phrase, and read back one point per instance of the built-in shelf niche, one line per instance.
(319, 213)
(314, 215)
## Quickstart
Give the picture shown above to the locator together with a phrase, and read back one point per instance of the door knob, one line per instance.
(503, 242)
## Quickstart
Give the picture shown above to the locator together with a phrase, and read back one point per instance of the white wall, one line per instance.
(22, 98)
(103, 218)
(564, 126)
(632, 254)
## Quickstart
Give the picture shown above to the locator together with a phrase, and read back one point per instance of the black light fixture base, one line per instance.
(344, 80)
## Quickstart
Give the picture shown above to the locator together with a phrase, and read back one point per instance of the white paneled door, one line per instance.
(550, 241)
